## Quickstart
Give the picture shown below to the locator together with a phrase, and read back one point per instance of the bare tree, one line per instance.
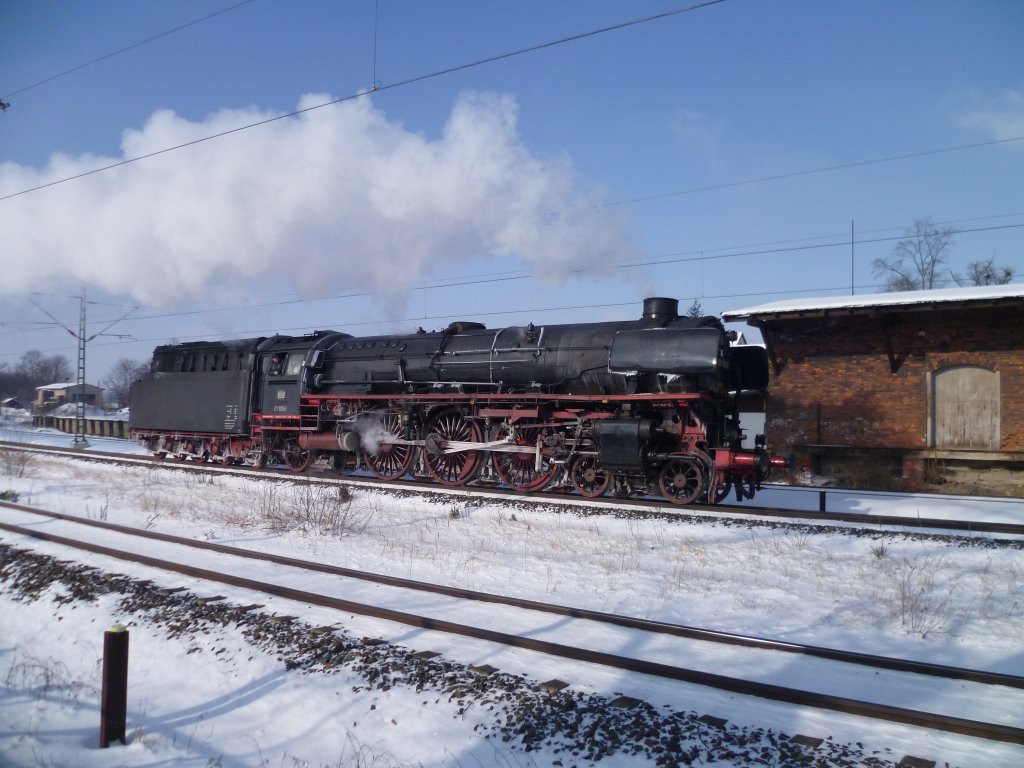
(38, 369)
(119, 380)
(8, 380)
(918, 261)
(34, 369)
(695, 310)
(985, 273)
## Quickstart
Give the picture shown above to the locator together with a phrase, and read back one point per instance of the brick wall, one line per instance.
(836, 385)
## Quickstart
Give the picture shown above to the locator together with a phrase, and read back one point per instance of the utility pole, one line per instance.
(79, 440)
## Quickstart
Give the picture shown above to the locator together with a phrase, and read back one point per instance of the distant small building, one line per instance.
(50, 396)
(10, 402)
(899, 389)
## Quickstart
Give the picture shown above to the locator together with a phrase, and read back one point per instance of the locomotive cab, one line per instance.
(288, 367)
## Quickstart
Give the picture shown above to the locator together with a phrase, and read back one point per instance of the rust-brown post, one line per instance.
(114, 698)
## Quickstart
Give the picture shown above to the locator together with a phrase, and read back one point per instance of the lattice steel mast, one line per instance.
(79, 440)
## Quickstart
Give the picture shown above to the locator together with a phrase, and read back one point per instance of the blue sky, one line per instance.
(558, 185)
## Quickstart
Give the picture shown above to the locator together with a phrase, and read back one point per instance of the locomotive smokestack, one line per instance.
(660, 309)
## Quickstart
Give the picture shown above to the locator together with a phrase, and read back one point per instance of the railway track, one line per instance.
(521, 629)
(916, 523)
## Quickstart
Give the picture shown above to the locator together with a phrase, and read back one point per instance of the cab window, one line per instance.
(276, 364)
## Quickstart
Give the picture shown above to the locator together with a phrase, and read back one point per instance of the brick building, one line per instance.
(50, 396)
(899, 390)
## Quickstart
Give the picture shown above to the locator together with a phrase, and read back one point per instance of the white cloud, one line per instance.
(699, 131)
(1002, 116)
(337, 198)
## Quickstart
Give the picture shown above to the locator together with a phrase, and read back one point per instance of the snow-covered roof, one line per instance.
(65, 385)
(878, 300)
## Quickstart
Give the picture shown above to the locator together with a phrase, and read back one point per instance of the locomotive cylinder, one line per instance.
(621, 442)
(328, 441)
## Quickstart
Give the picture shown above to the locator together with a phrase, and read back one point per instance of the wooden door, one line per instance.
(965, 408)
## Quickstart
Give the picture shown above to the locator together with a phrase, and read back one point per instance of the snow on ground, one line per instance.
(885, 594)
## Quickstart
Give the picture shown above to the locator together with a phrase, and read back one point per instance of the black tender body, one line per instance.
(200, 387)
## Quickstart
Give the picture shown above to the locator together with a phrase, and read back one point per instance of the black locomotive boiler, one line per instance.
(635, 408)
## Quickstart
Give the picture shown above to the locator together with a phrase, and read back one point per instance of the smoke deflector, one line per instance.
(666, 350)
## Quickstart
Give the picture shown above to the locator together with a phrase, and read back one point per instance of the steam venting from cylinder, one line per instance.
(660, 309)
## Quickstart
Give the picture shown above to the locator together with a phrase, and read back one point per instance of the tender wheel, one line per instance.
(390, 461)
(681, 481)
(589, 478)
(447, 427)
(519, 470)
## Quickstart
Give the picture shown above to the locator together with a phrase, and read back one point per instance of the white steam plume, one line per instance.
(338, 198)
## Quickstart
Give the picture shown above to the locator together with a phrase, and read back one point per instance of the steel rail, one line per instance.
(629, 622)
(774, 692)
(919, 523)
(859, 517)
(948, 723)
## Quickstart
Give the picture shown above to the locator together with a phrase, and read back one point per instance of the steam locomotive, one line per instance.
(640, 407)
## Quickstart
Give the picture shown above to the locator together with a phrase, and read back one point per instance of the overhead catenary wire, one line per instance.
(442, 317)
(707, 254)
(349, 324)
(812, 171)
(654, 260)
(390, 86)
(377, 87)
(376, 25)
(127, 48)
(497, 57)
